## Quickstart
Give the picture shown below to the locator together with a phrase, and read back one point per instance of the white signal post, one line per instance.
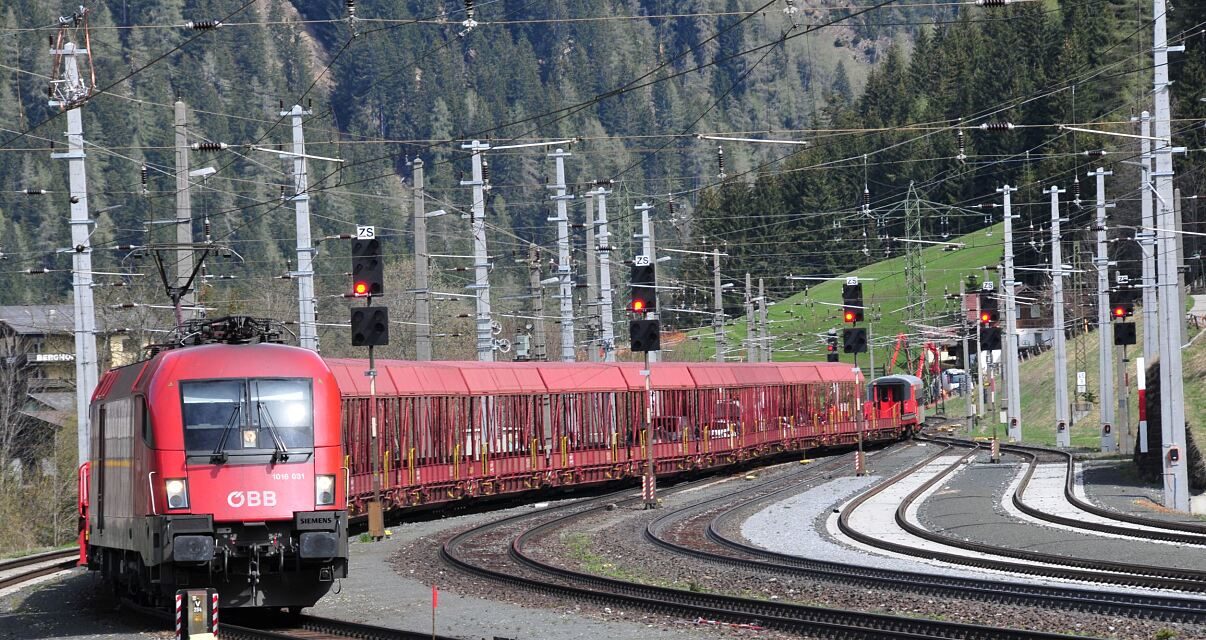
(481, 260)
(1063, 434)
(307, 303)
(1172, 390)
(1147, 242)
(650, 493)
(565, 295)
(1013, 411)
(718, 308)
(1105, 328)
(73, 90)
(608, 324)
(184, 214)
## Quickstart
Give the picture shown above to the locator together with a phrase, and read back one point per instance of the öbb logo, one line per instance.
(237, 499)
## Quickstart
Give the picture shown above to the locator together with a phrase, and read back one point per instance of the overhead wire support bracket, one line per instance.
(1113, 133)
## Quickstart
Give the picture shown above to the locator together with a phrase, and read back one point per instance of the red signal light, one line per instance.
(1119, 312)
(360, 288)
(985, 317)
(848, 316)
(638, 305)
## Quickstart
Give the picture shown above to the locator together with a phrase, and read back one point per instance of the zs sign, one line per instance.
(237, 499)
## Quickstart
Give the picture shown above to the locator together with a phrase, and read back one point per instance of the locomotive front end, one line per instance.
(259, 506)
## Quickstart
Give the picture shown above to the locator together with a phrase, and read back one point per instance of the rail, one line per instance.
(819, 621)
(1140, 606)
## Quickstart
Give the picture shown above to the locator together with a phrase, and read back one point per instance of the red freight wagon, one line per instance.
(451, 430)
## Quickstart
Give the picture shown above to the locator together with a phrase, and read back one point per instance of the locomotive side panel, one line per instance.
(115, 465)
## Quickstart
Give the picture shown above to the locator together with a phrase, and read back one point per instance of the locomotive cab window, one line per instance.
(248, 417)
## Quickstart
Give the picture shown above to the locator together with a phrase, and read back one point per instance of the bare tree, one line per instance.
(15, 423)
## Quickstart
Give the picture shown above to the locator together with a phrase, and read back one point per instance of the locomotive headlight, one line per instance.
(324, 490)
(177, 493)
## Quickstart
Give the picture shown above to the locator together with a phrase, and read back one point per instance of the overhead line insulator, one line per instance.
(993, 3)
(143, 175)
(997, 125)
(351, 7)
(1095, 153)
(720, 162)
(203, 25)
(210, 146)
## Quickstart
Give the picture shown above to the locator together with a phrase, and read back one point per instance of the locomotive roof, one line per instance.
(899, 378)
(408, 378)
(211, 361)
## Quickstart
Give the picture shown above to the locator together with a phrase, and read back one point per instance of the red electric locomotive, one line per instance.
(218, 465)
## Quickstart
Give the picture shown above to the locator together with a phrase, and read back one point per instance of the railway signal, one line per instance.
(989, 312)
(645, 335)
(1121, 310)
(370, 326)
(831, 346)
(990, 337)
(643, 280)
(368, 269)
(854, 340)
(852, 302)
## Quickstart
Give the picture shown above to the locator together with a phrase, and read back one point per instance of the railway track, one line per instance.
(1037, 564)
(316, 628)
(41, 564)
(1153, 529)
(817, 621)
(1140, 606)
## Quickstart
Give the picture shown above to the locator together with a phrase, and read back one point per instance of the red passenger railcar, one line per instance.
(898, 397)
(218, 466)
(452, 430)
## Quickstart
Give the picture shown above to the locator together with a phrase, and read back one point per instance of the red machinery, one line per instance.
(452, 430)
(220, 466)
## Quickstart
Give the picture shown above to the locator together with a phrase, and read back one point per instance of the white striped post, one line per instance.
(179, 615)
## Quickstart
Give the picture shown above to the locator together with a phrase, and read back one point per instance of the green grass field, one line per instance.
(798, 323)
(1038, 388)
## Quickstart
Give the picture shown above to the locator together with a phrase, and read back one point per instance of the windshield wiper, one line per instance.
(281, 452)
(219, 455)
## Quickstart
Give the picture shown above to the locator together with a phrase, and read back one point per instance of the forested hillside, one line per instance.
(1033, 66)
(635, 81)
